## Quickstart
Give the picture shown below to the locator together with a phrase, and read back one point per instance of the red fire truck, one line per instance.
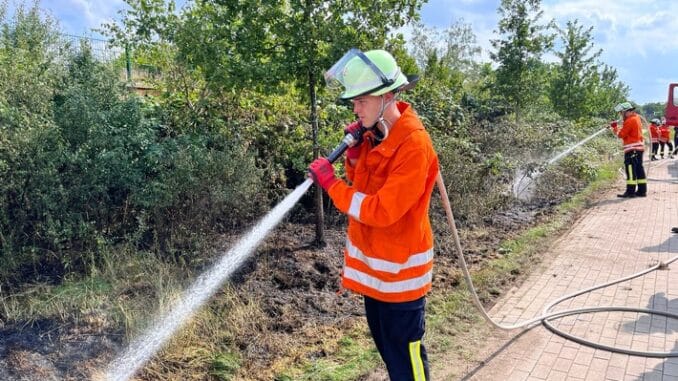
(671, 112)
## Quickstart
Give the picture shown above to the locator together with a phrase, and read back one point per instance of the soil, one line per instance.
(296, 285)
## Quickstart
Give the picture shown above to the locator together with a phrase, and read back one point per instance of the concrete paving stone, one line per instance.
(614, 373)
(556, 375)
(518, 375)
(541, 371)
(618, 360)
(548, 359)
(595, 375)
(598, 364)
(568, 353)
(555, 345)
(601, 354)
(578, 371)
(655, 363)
(653, 376)
(583, 358)
(635, 366)
(562, 364)
(526, 365)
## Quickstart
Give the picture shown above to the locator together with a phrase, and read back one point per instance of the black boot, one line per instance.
(642, 190)
(630, 192)
(674, 230)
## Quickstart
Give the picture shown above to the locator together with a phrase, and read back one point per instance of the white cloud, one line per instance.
(635, 35)
(640, 26)
(97, 12)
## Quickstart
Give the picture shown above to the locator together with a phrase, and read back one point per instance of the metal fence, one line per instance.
(101, 49)
(139, 77)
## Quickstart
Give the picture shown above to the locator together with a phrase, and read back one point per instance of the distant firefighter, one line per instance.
(631, 133)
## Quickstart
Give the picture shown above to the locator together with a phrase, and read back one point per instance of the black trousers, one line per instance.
(636, 182)
(397, 330)
(667, 148)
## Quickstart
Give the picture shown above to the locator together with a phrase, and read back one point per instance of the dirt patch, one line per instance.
(49, 349)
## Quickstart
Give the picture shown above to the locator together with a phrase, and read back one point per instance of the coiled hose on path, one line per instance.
(548, 315)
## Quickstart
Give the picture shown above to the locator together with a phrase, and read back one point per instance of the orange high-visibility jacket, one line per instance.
(389, 248)
(654, 133)
(632, 134)
(664, 133)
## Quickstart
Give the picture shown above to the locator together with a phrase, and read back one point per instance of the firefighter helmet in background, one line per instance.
(656, 121)
(624, 106)
(374, 72)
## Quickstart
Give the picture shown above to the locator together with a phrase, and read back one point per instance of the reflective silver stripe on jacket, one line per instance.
(356, 202)
(634, 145)
(387, 287)
(414, 260)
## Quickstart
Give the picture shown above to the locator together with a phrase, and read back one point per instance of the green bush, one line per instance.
(105, 169)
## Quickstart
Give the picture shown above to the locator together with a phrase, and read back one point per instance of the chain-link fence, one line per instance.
(139, 77)
(101, 49)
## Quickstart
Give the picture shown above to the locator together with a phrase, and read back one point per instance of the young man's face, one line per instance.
(367, 109)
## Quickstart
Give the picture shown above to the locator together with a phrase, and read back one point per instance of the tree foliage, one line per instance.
(653, 110)
(521, 75)
(240, 108)
(577, 67)
(265, 46)
(580, 87)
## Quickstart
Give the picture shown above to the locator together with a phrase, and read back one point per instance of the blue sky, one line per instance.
(637, 36)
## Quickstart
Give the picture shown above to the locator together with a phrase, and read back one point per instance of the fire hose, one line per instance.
(547, 314)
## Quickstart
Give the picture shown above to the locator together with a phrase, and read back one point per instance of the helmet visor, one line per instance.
(356, 74)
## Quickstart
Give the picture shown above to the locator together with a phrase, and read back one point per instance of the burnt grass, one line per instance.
(296, 284)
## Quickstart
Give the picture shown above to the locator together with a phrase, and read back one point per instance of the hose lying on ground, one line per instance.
(547, 314)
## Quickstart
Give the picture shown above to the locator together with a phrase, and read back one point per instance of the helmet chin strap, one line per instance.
(385, 125)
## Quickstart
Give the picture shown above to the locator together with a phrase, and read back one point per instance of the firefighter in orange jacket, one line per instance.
(389, 249)
(665, 141)
(632, 135)
(654, 137)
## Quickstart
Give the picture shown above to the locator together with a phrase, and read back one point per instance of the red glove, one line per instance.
(322, 173)
(613, 124)
(352, 153)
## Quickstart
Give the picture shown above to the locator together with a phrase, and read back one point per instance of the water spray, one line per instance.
(208, 283)
(518, 190)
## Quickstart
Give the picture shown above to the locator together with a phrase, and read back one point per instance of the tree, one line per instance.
(578, 66)
(455, 47)
(653, 109)
(604, 90)
(520, 75)
(446, 57)
(258, 44)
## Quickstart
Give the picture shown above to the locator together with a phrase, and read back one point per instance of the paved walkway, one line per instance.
(615, 238)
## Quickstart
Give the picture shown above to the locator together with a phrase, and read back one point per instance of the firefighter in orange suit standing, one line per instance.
(665, 141)
(654, 137)
(631, 133)
(388, 257)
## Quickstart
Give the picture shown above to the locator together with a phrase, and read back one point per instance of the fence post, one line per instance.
(128, 63)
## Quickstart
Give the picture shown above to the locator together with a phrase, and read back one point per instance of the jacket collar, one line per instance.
(401, 129)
